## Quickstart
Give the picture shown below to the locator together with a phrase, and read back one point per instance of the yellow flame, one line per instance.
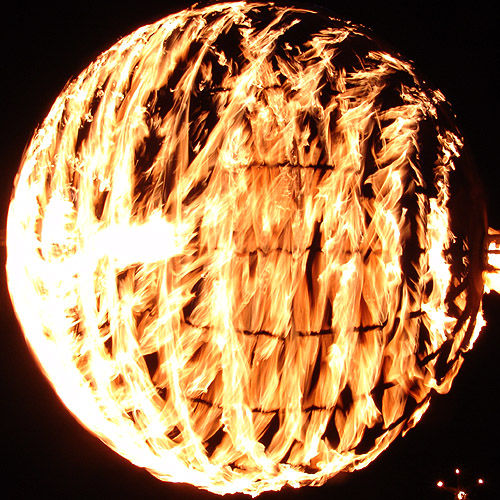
(492, 274)
(208, 288)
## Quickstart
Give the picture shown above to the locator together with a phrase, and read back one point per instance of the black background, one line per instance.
(48, 454)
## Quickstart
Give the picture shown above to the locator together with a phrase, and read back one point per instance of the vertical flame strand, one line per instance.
(232, 251)
(492, 272)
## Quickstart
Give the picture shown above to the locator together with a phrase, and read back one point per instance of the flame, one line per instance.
(229, 256)
(492, 274)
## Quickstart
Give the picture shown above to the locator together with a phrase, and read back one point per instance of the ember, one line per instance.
(241, 247)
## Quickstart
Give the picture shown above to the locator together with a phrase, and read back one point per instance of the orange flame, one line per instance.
(228, 255)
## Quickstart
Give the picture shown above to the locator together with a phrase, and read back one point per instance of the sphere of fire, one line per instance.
(245, 247)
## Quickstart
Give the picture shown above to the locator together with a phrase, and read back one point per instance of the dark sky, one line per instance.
(47, 453)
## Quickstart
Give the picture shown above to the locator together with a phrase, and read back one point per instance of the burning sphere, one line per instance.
(246, 247)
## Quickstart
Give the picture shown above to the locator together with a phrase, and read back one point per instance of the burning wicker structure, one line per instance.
(247, 246)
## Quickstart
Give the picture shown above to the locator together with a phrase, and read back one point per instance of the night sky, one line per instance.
(46, 453)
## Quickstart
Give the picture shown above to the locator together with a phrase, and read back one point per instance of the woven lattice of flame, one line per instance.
(239, 248)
